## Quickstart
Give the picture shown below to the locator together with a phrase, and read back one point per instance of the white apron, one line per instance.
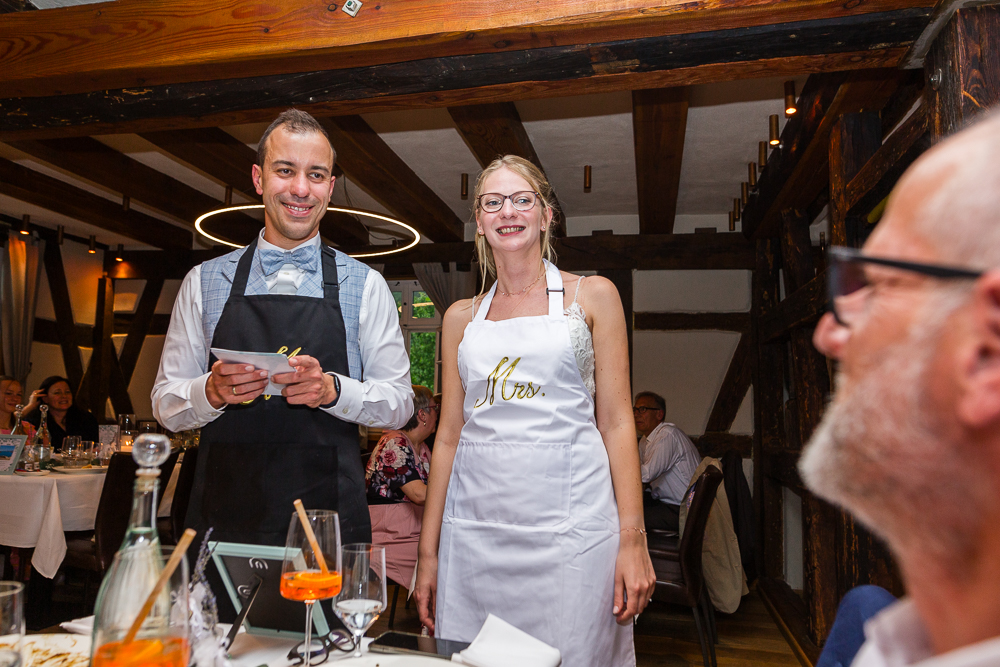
(530, 526)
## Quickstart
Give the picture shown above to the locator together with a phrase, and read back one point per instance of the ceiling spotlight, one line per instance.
(587, 178)
(60, 233)
(118, 255)
(752, 174)
(761, 154)
(772, 122)
(93, 244)
(732, 222)
(229, 195)
(736, 209)
(465, 186)
(25, 221)
(744, 192)
(790, 107)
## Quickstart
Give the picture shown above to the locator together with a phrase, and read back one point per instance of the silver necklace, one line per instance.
(542, 273)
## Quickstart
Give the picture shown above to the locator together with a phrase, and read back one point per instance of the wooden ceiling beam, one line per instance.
(842, 42)
(798, 171)
(91, 160)
(375, 168)
(493, 130)
(137, 43)
(659, 120)
(227, 159)
(54, 195)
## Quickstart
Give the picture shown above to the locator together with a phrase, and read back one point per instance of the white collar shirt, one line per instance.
(896, 637)
(289, 274)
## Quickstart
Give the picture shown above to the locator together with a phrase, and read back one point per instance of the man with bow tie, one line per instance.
(285, 291)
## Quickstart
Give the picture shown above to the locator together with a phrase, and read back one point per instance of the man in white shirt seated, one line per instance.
(668, 459)
(911, 442)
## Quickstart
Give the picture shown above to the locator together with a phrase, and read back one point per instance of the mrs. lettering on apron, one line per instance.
(518, 390)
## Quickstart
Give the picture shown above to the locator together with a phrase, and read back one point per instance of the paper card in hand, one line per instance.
(272, 362)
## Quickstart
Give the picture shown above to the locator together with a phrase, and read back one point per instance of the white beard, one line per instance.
(879, 454)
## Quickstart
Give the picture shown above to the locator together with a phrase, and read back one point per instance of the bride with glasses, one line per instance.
(534, 501)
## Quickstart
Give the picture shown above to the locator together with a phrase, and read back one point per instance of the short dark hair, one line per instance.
(295, 122)
(422, 397)
(661, 404)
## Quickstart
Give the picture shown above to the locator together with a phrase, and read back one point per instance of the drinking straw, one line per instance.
(310, 535)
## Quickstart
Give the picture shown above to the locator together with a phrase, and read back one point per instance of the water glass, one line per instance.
(89, 447)
(126, 432)
(362, 595)
(11, 624)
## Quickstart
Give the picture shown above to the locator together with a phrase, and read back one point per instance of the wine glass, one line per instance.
(126, 432)
(11, 623)
(307, 576)
(362, 597)
(163, 637)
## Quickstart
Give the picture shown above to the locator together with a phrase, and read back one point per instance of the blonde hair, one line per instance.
(529, 172)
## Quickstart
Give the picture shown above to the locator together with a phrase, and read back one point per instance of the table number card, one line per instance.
(10, 452)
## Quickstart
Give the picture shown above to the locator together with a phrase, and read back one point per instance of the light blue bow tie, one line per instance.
(306, 258)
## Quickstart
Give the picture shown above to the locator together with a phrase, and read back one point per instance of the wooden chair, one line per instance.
(679, 578)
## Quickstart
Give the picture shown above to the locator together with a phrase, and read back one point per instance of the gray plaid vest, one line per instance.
(217, 280)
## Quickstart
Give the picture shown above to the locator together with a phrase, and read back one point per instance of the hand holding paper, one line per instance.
(243, 376)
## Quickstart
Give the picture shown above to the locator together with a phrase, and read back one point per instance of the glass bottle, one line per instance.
(16, 428)
(42, 441)
(29, 455)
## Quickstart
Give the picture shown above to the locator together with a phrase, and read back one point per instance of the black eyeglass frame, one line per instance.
(843, 255)
(643, 409)
(504, 198)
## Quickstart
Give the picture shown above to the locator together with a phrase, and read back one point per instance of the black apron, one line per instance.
(257, 458)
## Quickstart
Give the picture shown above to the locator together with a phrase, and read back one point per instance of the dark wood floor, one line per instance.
(666, 636)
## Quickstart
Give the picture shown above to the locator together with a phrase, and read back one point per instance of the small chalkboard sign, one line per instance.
(11, 447)
(240, 565)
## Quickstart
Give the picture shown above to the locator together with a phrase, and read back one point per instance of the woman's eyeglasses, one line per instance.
(848, 284)
(492, 202)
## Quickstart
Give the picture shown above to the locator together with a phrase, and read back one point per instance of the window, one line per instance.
(420, 321)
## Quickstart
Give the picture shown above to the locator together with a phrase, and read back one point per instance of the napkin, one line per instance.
(79, 626)
(500, 644)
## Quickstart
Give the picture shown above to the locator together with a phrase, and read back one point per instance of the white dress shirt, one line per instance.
(896, 637)
(668, 460)
(383, 399)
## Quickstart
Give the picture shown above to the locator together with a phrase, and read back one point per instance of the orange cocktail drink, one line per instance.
(309, 585)
(165, 652)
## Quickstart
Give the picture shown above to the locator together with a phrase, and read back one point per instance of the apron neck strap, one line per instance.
(331, 282)
(243, 270)
(484, 304)
(554, 289)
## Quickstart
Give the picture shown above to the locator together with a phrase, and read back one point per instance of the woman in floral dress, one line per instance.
(396, 480)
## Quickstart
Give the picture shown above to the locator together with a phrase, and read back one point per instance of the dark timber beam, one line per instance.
(734, 386)
(623, 281)
(492, 130)
(659, 119)
(91, 160)
(54, 195)
(967, 55)
(376, 169)
(717, 444)
(854, 139)
(692, 322)
(801, 308)
(135, 44)
(797, 172)
(721, 51)
(65, 329)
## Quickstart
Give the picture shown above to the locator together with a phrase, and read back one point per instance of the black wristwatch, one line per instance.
(336, 388)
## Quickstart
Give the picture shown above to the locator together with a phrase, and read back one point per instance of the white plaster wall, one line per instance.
(691, 291)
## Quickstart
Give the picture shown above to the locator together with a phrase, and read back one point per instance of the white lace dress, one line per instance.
(582, 340)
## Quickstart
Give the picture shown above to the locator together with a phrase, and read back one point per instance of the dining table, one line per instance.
(36, 511)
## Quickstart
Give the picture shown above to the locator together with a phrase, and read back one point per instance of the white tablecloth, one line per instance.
(34, 512)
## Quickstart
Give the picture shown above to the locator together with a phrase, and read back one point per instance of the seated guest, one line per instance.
(910, 444)
(667, 458)
(397, 485)
(10, 397)
(64, 417)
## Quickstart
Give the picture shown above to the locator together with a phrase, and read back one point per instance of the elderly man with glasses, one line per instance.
(911, 441)
(668, 459)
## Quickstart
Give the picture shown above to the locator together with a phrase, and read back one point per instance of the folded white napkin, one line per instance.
(80, 626)
(500, 644)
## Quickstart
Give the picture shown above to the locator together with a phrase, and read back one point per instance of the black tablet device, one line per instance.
(407, 642)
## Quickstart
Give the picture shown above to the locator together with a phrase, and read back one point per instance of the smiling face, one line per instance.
(59, 397)
(10, 395)
(511, 230)
(296, 182)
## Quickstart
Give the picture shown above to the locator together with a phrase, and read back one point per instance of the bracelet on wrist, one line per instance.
(638, 530)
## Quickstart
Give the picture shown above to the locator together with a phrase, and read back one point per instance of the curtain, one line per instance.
(443, 288)
(19, 279)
